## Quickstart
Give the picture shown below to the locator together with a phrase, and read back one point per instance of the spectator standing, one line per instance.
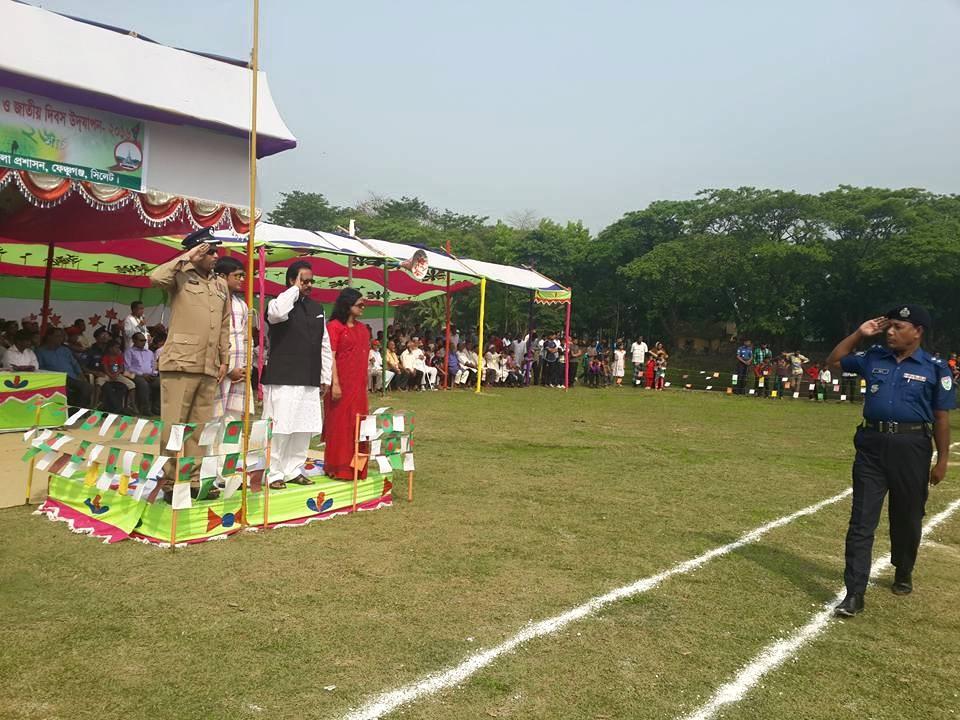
(744, 361)
(134, 323)
(638, 351)
(619, 361)
(797, 361)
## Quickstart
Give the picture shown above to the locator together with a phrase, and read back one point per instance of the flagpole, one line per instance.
(248, 389)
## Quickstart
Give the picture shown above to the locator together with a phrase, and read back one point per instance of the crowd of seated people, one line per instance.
(112, 368)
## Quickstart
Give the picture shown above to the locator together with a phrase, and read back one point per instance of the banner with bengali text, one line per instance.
(41, 135)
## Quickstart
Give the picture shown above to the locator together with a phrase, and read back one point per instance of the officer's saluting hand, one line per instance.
(909, 396)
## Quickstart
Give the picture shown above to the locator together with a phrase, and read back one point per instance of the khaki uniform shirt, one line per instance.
(199, 337)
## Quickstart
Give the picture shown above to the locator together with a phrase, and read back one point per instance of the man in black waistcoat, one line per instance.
(296, 377)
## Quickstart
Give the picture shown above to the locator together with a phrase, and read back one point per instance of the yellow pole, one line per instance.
(248, 390)
(483, 307)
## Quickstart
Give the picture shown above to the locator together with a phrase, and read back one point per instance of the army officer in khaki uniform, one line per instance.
(194, 359)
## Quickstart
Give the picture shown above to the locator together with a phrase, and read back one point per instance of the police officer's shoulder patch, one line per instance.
(946, 382)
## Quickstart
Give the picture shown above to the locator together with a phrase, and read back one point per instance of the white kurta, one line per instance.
(295, 408)
(618, 362)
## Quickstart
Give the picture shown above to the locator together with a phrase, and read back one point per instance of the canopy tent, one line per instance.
(196, 108)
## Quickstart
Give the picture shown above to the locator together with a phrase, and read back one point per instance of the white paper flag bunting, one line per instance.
(709, 387)
(752, 392)
(94, 454)
(209, 467)
(404, 443)
(256, 460)
(157, 466)
(107, 422)
(398, 423)
(44, 462)
(843, 398)
(181, 496)
(105, 481)
(231, 485)
(175, 442)
(41, 438)
(368, 428)
(60, 442)
(138, 428)
(209, 434)
(69, 470)
(258, 434)
(812, 386)
(126, 463)
(380, 411)
(375, 447)
(144, 488)
(384, 464)
(796, 395)
(408, 462)
(29, 434)
(76, 416)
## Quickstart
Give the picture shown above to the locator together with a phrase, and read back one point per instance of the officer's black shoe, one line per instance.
(852, 605)
(902, 583)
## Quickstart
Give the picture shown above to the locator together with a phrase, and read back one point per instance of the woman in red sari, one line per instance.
(350, 343)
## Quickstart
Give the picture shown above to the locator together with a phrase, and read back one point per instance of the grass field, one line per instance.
(528, 503)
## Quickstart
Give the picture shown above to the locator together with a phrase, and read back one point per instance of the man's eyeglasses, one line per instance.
(306, 281)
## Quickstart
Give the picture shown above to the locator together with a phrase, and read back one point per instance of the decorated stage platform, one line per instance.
(114, 516)
(115, 493)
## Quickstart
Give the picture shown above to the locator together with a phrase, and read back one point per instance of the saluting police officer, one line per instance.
(909, 394)
(194, 359)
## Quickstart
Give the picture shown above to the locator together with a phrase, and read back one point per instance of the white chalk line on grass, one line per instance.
(430, 684)
(779, 652)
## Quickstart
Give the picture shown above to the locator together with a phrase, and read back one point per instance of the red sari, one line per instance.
(352, 348)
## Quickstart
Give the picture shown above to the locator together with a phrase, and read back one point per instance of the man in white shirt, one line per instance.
(429, 373)
(376, 368)
(134, 323)
(21, 356)
(408, 366)
(638, 351)
(464, 366)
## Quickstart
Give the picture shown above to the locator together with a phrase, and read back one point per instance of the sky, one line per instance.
(587, 110)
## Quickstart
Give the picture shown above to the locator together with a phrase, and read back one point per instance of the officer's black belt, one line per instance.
(896, 427)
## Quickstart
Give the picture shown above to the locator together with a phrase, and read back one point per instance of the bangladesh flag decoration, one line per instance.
(113, 456)
(231, 434)
(184, 469)
(230, 464)
(121, 427)
(146, 462)
(81, 452)
(154, 433)
(93, 420)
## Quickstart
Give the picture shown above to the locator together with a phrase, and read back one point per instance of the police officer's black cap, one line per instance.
(203, 235)
(915, 314)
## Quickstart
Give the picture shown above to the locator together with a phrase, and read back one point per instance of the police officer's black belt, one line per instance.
(895, 427)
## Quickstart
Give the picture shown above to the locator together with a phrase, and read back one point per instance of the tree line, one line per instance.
(784, 267)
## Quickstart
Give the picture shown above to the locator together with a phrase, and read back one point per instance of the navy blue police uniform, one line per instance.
(894, 450)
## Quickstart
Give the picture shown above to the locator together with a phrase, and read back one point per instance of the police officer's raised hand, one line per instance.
(938, 472)
(197, 252)
(873, 327)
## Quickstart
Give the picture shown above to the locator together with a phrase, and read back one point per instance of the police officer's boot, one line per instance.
(902, 582)
(852, 605)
